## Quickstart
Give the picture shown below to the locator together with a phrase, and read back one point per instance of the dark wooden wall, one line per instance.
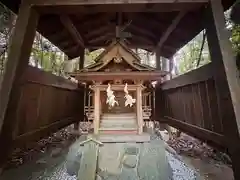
(190, 102)
(44, 104)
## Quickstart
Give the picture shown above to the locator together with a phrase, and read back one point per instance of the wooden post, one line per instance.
(96, 120)
(18, 59)
(170, 67)
(139, 109)
(82, 59)
(158, 61)
(226, 79)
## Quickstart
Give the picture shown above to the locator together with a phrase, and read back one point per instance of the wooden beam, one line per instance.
(158, 60)
(206, 135)
(201, 74)
(227, 82)
(170, 29)
(113, 8)
(82, 59)
(229, 63)
(17, 63)
(58, 35)
(88, 76)
(133, 46)
(108, 2)
(67, 23)
(72, 49)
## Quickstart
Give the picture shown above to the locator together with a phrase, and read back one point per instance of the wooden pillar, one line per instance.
(17, 63)
(139, 109)
(82, 58)
(170, 67)
(226, 79)
(158, 60)
(96, 120)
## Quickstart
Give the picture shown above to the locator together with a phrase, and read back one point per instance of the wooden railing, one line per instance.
(190, 102)
(44, 104)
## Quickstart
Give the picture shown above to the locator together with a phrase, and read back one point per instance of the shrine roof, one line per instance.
(92, 24)
(118, 51)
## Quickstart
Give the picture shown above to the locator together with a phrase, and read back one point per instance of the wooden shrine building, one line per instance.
(119, 67)
(204, 103)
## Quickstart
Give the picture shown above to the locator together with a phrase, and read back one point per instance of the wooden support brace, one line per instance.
(67, 22)
(226, 79)
(17, 63)
(81, 58)
(170, 29)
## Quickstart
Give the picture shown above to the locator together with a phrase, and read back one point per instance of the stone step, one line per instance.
(118, 128)
(122, 138)
(118, 122)
(124, 132)
(134, 125)
(120, 116)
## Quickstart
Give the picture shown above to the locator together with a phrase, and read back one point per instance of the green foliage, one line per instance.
(235, 38)
(188, 56)
(5, 18)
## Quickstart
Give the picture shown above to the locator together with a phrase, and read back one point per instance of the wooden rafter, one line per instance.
(103, 37)
(57, 35)
(100, 30)
(170, 29)
(92, 22)
(142, 30)
(67, 23)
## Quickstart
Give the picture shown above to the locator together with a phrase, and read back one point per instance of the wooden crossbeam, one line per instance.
(130, 45)
(105, 2)
(170, 29)
(67, 23)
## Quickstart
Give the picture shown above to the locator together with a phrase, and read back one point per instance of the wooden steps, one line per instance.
(124, 123)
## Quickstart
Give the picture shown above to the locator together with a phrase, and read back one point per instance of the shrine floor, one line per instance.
(116, 161)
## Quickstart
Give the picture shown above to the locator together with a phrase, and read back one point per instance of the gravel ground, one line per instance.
(181, 171)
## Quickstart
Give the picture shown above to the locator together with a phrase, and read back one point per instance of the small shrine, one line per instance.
(121, 90)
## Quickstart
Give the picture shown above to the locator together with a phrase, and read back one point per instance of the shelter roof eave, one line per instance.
(134, 63)
(147, 27)
(96, 76)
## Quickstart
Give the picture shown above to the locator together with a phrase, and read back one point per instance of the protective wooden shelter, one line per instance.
(119, 69)
(204, 103)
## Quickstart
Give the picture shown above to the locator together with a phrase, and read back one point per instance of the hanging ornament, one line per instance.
(110, 97)
(129, 99)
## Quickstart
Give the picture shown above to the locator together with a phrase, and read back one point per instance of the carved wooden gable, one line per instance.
(118, 57)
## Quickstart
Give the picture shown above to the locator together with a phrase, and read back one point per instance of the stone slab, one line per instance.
(110, 157)
(153, 163)
(88, 165)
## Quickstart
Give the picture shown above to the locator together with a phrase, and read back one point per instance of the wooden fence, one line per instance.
(190, 102)
(46, 103)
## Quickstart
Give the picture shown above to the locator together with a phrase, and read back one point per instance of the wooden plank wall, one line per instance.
(190, 103)
(47, 103)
